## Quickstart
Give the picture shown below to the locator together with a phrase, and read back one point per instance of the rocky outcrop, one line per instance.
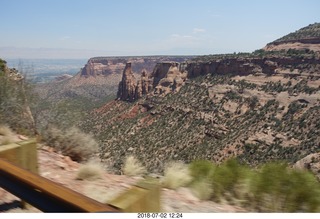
(131, 89)
(114, 65)
(88, 69)
(159, 72)
(313, 40)
(233, 66)
(103, 66)
(246, 66)
(127, 86)
(169, 77)
(144, 85)
(310, 162)
(296, 44)
(165, 78)
(171, 82)
(223, 66)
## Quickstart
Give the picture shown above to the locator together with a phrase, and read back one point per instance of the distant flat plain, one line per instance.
(44, 70)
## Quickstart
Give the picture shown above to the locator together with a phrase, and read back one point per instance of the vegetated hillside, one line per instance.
(306, 38)
(65, 102)
(14, 100)
(99, 78)
(258, 107)
(254, 116)
(308, 32)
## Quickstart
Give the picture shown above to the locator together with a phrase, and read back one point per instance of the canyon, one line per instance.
(253, 106)
(257, 107)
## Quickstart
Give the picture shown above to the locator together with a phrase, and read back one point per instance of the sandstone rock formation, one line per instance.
(233, 66)
(306, 38)
(103, 66)
(172, 81)
(169, 77)
(127, 86)
(144, 85)
(165, 78)
(310, 162)
(114, 65)
(299, 44)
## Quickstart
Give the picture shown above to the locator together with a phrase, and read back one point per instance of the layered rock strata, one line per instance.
(165, 78)
(169, 77)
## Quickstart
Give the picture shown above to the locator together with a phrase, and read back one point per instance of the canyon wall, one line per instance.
(169, 77)
(114, 65)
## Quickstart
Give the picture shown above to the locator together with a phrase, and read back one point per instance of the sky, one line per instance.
(86, 28)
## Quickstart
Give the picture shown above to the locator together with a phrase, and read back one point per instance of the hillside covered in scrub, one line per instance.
(305, 38)
(311, 31)
(14, 100)
(256, 107)
(254, 118)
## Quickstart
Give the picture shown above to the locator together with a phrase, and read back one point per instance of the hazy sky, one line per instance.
(84, 28)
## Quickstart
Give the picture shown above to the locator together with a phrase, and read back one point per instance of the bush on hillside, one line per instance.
(176, 174)
(201, 172)
(132, 167)
(15, 98)
(273, 187)
(202, 189)
(90, 171)
(228, 179)
(72, 142)
(201, 169)
(279, 189)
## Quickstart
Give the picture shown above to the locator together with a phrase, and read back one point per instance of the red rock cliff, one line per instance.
(169, 77)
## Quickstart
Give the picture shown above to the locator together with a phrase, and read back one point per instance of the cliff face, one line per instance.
(233, 66)
(172, 80)
(313, 40)
(307, 37)
(103, 66)
(115, 65)
(226, 66)
(246, 66)
(127, 86)
(144, 85)
(169, 77)
(165, 78)
(312, 44)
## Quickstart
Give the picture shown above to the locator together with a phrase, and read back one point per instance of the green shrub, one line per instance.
(201, 172)
(230, 178)
(273, 187)
(200, 169)
(227, 178)
(268, 186)
(303, 194)
(279, 189)
(74, 143)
